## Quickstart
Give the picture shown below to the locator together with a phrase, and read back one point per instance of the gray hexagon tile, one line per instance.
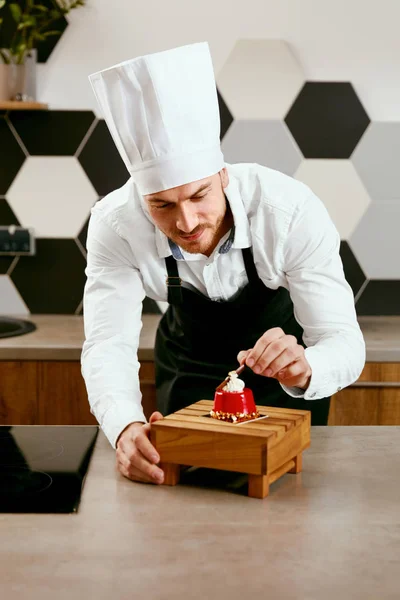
(376, 159)
(339, 187)
(260, 79)
(11, 302)
(53, 195)
(266, 142)
(354, 274)
(376, 241)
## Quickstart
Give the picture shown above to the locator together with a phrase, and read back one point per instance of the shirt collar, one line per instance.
(239, 236)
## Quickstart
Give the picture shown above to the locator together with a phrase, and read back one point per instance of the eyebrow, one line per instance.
(200, 189)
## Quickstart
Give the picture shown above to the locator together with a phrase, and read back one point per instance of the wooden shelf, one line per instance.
(15, 105)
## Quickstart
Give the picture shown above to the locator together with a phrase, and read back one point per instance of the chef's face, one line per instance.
(195, 216)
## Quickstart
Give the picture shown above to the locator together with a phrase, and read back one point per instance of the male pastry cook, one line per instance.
(247, 258)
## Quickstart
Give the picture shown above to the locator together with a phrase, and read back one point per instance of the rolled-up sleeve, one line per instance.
(323, 302)
(112, 319)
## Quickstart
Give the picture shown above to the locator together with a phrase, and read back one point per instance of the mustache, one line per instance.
(195, 231)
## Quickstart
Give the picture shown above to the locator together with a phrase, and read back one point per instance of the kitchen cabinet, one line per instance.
(373, 400)
(54, 393)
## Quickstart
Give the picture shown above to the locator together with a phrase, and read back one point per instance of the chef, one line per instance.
(246, 257)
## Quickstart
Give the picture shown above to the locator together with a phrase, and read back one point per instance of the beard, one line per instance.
(211, 234)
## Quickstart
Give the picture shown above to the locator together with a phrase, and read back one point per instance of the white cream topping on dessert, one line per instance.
(234, 384)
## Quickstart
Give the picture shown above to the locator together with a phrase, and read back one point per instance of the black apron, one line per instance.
(198, 340)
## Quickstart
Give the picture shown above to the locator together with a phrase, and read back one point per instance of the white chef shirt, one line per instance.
(294, 243)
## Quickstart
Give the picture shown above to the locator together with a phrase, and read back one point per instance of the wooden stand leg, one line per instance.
(298, 464)
(171, 473)
(258, 486)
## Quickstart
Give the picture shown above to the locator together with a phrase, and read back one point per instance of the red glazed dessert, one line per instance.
(234, 406)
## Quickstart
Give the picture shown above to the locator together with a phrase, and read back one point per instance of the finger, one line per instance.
(140, 463)
(241, 357)
(293, 370)
(265, 340)
(284, 359)
(134, 474)
(136, 460)
(156, 416)
(287, 343)
(147, 449)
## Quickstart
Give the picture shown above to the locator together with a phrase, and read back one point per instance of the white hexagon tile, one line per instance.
(337, 184)
(260, 79)
(53, 195)
(11, 302)
(376, 241)
(376, 159)
(267, 142)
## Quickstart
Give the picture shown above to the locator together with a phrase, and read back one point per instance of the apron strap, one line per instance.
(174, 282)
(251, 270)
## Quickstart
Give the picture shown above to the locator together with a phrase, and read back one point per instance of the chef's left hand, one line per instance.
(279, 356)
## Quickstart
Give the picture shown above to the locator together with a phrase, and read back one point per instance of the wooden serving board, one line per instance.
(265, 448)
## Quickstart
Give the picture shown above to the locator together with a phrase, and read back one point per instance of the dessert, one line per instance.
(234, 402)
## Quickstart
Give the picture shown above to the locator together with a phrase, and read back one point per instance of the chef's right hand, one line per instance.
(136, 456)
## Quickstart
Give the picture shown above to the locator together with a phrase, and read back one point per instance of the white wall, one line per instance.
(354, 40)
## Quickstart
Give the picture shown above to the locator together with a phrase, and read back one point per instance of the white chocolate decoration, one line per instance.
(234, 384)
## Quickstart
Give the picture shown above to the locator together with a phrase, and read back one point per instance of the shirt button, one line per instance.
(339, 388)
(313, 395)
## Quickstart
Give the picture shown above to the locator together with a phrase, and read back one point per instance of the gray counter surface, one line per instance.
(332, 531)
(60, 337)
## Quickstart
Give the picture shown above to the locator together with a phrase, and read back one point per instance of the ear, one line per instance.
(224, 176)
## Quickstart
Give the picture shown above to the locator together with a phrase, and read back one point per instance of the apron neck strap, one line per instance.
(174, 282)
(251, 270)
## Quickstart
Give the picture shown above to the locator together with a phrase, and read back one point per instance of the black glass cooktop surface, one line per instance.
(43, 467)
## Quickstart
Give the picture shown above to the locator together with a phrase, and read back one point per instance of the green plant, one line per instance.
(31, 24)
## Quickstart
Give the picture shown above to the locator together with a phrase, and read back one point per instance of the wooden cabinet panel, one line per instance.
(62, 394)
(355, 406)
(18, 393)
(389, 408)
(148, 387)
(374, 372)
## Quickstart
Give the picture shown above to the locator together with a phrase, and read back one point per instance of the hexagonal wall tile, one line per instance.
(102, 162)
(11, 302)
(224, 114)
(376, 159)
(337, 184)
(376, 241)
(7, 216)
(53, 195)
(380, 298)
(46, 47)
(265, 142)
(260, 79)
(52, 281)
(327, 119)
(11, 160)
(352, 270)
(61, 131)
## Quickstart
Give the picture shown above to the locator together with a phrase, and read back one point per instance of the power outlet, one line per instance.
(17, 241)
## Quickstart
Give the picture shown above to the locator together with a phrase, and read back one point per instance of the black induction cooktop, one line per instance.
(43, 467)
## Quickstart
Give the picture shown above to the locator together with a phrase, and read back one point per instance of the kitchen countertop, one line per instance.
(332, 531)
(60, 337)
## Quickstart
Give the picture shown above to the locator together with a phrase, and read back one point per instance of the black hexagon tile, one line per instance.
(102, 162)
(380, 298)
(327, 119)
(7, 216)
(61, 131)
(52, 281)
(352, 270)
(225, 115)
(11, 160)
(46, 47)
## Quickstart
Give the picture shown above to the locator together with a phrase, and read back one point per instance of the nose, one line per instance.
(187, 219)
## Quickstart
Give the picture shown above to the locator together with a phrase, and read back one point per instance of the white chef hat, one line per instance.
(162, 112)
